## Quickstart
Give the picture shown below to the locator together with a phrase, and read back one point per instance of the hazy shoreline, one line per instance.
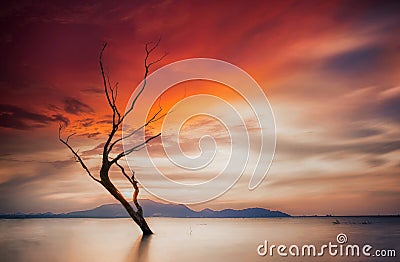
(59, 216)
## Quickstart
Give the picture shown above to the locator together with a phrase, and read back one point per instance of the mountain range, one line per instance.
(155, 209)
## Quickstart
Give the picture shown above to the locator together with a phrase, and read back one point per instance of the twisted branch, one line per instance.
(135, 186)
(79, 159)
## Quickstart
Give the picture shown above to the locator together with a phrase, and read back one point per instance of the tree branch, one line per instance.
(135, 186)
(65, 142)
(146, 73)
(104, 75)
(132, 149)
(117, 117)
(111, 102)
(154, 118)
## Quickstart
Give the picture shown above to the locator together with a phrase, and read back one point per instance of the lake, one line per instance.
(192, 239)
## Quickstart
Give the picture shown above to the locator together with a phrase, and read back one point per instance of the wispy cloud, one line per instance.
(329, 69)
(20, 118)
(76, 107)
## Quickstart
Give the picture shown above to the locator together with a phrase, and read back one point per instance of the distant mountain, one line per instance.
(155, 209)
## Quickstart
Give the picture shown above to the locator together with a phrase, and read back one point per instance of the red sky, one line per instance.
(328, 68)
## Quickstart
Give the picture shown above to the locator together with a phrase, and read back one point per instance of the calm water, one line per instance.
(180, 239)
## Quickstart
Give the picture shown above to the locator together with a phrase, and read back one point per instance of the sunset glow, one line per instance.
(330, 70)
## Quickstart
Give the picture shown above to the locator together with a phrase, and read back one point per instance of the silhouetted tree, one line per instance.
(107, 162)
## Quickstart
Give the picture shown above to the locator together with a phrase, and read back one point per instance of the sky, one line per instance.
(330, 70)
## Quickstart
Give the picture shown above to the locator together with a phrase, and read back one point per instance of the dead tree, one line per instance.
(111, 92)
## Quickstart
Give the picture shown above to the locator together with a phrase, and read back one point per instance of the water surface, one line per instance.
(191, 239)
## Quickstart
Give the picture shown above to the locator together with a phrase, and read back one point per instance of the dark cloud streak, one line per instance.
(356, 62)
(19, 118)
(76, 107)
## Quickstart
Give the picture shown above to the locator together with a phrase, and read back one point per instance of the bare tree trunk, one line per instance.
(136, 216)
(117, 120)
